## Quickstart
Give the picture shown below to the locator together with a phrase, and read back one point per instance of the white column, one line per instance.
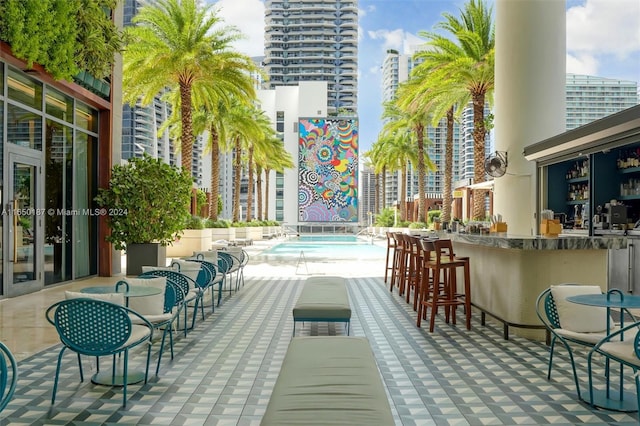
(530, 73)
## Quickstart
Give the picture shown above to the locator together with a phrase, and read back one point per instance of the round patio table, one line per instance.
(625, 401)
(106, 378)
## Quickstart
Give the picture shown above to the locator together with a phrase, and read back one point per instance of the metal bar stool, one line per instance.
(443, 288)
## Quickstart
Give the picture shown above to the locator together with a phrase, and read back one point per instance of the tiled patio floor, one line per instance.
(225, 368)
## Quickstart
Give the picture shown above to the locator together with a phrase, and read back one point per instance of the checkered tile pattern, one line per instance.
(225, 369)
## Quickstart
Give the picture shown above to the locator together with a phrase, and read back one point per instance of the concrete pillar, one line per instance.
(530, 70)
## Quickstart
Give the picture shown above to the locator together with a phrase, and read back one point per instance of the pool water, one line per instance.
(328, 238)
(328, 250)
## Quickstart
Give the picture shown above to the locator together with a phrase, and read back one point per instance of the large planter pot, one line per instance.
(139, 255)
(255, 233)
(227, 234)
(190, 241)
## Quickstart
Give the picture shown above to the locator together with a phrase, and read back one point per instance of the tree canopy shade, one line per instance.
(64, 36)
(177, 44)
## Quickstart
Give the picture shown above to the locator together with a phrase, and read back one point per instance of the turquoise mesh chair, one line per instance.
(163, 321)
(184, 296)
(227, 265)
(547, 311)
(98, 328)
(215, 278)
(8, 375)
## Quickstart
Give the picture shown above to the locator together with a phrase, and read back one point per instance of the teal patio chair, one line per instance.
(571, 324)
(8, 375)
(161, 310)
(97, 328)
(215, 278)
(185, 295)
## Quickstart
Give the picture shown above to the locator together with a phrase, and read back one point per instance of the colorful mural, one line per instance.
(328, 170)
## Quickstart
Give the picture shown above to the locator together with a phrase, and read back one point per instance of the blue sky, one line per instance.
(603, 39)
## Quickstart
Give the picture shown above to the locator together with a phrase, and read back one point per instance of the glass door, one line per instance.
(23, 218)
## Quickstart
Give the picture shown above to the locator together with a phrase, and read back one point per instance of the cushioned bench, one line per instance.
(323, 299)
(328, 381)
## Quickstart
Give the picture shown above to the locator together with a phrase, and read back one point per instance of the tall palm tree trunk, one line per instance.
(237, 168)
(249, 214)
(422, 201)
(266, 194)
(186, 142)
(259, 214)
(448, 170)
(478, 155)
(403, 194)
(383, 188)
(215, 174)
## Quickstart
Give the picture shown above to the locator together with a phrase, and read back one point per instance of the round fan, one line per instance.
(496, 164)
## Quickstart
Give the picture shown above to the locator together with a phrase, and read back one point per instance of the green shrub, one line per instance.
(418, 225)
(194, 222)
(220, 223)
(385, 218)
(432, 215)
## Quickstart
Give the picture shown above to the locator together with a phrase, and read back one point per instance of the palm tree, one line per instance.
(435, 91)
(178, 44)
(397, 149)
(271, 155)
(416, 112)
(257, 144)
(468, 62)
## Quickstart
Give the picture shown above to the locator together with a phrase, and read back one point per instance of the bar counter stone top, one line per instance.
(569, 242)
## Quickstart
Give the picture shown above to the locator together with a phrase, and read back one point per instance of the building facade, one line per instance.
(310, 40)
(396, 69)
(56, 147)
(589, 98)
(285, 105)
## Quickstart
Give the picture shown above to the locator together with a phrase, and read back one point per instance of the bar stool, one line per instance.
(413, 268)
(391, 246)
(444, 293)
(399, 261)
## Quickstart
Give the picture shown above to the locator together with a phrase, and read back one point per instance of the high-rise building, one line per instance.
(590, 98)
(314, 40)
(396, 69)
(141, 125)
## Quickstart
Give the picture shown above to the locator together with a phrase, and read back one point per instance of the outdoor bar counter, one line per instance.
(508, 272)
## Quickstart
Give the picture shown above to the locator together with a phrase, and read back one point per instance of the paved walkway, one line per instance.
(225, 368)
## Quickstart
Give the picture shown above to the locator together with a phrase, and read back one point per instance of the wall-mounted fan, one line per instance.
(496, 164)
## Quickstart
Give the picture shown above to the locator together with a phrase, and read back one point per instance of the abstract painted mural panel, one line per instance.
(328, 170)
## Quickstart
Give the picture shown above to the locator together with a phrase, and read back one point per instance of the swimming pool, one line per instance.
(326, 249)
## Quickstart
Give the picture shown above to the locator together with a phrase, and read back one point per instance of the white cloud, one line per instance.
(248, 17)
(609, 27)
(391, 39)
(582, 64)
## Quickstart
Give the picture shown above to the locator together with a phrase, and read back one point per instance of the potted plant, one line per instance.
(147, 203)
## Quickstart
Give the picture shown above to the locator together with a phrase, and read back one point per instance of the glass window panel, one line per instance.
(86, 118)
(59, 105)
(24, 128)
(58, 197)
(85, 225)
(24, 89)
(1, 82)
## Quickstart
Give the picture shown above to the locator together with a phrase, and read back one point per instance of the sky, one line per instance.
(603, 39)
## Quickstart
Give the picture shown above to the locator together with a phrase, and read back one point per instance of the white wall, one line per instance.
(308, 99)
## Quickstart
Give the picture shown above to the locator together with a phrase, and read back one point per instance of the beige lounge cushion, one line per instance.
(575, 317)
(323, 298)
(117, 298)
(148, 305)
(209, 255)
(328, 381)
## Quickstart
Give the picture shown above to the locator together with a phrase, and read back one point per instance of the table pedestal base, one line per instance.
(628, 403)
(105, 378)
